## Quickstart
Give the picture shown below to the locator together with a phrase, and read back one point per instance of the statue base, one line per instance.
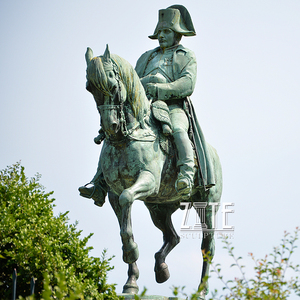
(150, 297)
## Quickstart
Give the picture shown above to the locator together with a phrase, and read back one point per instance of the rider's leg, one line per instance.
(96, 189)
(184, 147)
(185, 179)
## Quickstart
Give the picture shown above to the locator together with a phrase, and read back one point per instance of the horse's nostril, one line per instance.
(114, 127)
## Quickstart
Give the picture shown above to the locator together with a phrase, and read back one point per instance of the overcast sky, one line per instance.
(246, 98)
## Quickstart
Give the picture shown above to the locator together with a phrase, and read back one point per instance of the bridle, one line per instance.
(120, 108)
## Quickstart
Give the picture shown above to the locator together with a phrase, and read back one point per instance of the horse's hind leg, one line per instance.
(143, 187)
(130, 286)
(161, 217)
(207, 247)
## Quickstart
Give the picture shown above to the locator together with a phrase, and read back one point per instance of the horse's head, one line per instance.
(104, 82)
(118, 92)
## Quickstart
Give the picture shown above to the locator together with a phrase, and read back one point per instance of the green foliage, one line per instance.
(179, 292)
(140, 296)
(38, 244)
(270, 281)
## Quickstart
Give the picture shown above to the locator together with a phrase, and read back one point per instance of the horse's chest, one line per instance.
(120, 165)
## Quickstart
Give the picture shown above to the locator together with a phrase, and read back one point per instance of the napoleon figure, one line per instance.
(168, 73)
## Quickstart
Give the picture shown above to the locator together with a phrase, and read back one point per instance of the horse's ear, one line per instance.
(89, 55)
(106, 54)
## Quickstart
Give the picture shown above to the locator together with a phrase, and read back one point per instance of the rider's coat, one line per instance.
(179, 69)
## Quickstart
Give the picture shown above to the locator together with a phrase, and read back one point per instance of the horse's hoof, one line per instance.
(162, 273)
(130, 289)
(131, 256)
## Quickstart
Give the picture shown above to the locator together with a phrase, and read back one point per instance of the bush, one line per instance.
(38, 244)
(270, 281)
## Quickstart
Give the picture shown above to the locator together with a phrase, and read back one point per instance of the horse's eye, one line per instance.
(110, 75)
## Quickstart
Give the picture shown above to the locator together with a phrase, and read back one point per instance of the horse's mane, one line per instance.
(135, 91)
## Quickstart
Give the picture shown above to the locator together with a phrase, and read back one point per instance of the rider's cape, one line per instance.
(205, 172)
(187, 65)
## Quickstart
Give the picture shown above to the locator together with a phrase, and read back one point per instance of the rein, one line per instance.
(118, 107)
(124, 130)
(126, 133)
(108, 107)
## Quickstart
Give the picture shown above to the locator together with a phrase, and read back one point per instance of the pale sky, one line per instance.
(246, 98)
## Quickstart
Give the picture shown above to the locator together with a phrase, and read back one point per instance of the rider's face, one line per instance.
(166, 38)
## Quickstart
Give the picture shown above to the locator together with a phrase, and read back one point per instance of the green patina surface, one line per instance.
(153, 147)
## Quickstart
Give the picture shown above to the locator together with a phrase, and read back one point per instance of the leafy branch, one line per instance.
(270, 280)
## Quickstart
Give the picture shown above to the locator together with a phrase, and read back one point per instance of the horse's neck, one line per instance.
(136, 94)
(131, 120)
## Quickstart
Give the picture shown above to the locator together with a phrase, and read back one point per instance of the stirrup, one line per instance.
(85, 189)
(96, 193)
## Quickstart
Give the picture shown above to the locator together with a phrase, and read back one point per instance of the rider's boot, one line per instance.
(185, 180)
(96, 189)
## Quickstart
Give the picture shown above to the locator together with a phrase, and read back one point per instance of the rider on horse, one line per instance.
(168, 73)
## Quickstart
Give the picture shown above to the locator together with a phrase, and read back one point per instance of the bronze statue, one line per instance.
(150, 131)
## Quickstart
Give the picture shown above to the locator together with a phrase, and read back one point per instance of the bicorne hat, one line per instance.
(177, 18)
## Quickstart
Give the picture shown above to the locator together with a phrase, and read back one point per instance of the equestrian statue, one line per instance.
(153, 148)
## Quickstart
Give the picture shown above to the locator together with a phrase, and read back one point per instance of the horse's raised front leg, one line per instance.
(143, 187)
(161, 217)
(130, 286)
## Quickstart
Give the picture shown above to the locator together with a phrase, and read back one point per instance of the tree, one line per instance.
(38, 244)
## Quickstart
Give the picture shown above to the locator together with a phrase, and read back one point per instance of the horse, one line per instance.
(139, 162)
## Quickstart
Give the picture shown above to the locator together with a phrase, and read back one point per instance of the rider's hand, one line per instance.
(151, 90)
